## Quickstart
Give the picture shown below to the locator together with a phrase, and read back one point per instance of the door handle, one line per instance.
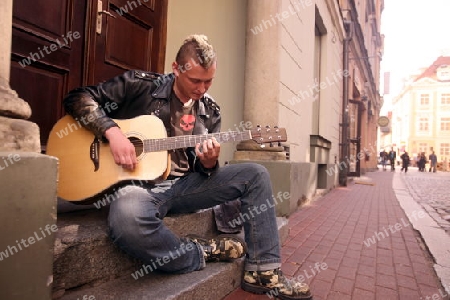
(100, 13)
(106, 13)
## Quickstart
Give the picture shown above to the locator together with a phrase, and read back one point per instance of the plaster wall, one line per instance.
(224, 22)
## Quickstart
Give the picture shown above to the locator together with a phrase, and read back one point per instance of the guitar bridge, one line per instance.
(95, 153)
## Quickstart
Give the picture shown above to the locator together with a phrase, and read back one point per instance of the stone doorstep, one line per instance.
(214, 282)
(84, 255)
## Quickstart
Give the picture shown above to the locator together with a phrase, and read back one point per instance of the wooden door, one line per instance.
(126, 35)
(56, 48)
(354, 113)
(46, 55)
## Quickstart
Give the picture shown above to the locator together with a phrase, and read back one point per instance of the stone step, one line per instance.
(85, 258)
(84, 254)
(214, 282)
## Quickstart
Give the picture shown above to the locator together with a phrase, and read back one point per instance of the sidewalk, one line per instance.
(357, 242)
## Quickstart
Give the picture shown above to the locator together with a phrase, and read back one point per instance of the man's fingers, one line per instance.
(209, 147)
(211, 143)
(127, 161)
(206, 146)
(215, 143)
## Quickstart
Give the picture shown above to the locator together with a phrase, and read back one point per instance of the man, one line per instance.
(405, 162)
(383, 158)
(421, 161)
(433, 162)
(195, 181)
(392, 157)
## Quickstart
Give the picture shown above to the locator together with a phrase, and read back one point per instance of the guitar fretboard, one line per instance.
(183, 141)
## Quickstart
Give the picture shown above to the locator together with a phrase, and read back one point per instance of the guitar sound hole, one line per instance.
(138, 145)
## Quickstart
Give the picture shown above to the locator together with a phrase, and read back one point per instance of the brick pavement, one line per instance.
(332, 231)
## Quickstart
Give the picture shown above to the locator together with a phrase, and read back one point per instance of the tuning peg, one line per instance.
(258, 127)
(267, 128)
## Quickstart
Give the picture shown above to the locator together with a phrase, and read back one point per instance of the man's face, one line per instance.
(192, 80)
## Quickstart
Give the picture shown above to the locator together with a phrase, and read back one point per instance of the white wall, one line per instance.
(297, 77)
(224, 22)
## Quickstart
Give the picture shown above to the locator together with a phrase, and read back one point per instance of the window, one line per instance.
(423, 124)
(445, 149)
(443, 73)
(445, 124)
(445, 99)
(318, 63)
(423, 147)
(424, 99)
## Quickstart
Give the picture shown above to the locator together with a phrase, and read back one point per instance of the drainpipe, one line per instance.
(344, 161)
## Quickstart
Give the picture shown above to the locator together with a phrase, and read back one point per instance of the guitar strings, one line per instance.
(180, 141)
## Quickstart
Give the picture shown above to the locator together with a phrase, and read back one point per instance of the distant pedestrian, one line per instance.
(405, 162)
(383, 159)
(433, 162)
(421, 162)
(392, 157)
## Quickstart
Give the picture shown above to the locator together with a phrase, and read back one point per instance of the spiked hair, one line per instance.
(196, 47)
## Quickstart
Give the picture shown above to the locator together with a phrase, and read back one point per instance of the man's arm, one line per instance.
(92, 106)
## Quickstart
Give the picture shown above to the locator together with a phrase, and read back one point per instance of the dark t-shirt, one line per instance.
(182, 121)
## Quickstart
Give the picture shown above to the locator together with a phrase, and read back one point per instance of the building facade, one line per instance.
(421, 112)
(362, 101)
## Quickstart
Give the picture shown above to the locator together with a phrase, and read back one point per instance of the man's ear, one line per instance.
(175, 69)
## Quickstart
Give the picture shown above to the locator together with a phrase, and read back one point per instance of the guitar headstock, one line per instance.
(268, 134)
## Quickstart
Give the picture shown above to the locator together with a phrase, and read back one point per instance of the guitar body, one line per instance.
(80, 180)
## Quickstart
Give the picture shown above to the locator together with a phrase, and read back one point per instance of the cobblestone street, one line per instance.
(431, 191)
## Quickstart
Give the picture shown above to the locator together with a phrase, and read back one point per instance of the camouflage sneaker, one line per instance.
(274, 284)
(224, 247)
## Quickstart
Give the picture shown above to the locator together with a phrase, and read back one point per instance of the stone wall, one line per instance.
(27, 190)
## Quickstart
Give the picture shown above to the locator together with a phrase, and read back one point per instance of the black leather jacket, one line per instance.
(136, 93)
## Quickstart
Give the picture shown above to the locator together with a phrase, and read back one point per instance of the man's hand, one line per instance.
(208, 153)
(122, 149)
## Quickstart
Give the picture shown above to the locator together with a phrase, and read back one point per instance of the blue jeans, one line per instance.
(136, 217)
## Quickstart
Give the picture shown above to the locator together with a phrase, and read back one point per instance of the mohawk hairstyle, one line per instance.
(196, 47)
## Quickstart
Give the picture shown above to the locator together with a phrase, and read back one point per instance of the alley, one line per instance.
(363, 237)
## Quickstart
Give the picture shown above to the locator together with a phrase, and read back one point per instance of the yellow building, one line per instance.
(421, 112)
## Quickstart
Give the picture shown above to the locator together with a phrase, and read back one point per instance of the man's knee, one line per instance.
(256, 169)
(129, 210)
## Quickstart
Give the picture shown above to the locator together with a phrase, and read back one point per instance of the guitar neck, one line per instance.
(184, 141)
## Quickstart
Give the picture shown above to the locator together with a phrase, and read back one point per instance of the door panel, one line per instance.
(124, 58)
(51, 23)
(46, 56)
(131, 36)
(355, 137)
(40, 86)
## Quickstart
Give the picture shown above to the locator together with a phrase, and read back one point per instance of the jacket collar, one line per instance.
(164, 85)
(164, 90)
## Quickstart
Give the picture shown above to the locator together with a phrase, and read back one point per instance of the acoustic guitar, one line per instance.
(86, 166)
